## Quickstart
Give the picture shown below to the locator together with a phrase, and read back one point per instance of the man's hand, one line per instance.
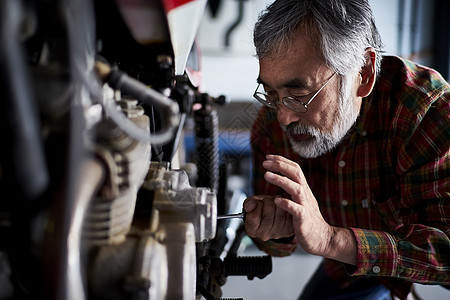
(313, 233)
(264, 220)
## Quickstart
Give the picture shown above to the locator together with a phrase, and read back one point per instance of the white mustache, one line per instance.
(297, 128)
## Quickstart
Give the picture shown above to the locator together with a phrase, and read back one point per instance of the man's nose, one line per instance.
(285, 115)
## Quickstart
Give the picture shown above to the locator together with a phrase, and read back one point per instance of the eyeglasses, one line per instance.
(290, 102)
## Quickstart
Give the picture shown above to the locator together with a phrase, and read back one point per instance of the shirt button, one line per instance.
(365, 203)
(341, 163)
(344, 202)
(364, 133)
(376, 269)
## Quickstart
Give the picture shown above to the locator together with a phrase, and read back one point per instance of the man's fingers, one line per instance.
(281, 165)
(291, 187)
(249, 205)
(289, 206)
(254, 208)
(266, 225)
(264, 220)
(283, 221)
(280, 158)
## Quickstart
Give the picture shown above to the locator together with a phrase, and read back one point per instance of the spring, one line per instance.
(207, 148)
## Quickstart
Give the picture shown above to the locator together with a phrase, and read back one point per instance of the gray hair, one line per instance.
(345, 28)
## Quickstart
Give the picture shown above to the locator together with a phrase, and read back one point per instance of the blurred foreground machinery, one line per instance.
(95, 97)
(158, 259)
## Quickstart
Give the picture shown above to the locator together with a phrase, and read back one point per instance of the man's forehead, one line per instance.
(291, 82)
(298, 72)
(298, 65)
(290, 75)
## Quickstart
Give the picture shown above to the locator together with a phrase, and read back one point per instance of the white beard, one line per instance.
(322, 142)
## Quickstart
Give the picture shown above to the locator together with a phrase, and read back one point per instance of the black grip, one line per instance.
(250, 266)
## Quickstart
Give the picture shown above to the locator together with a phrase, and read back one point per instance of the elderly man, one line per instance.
(351, 153)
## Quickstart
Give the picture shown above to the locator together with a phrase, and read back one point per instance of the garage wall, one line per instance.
(406, 27)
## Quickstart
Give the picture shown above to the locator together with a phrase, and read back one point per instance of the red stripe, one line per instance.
(171, 4)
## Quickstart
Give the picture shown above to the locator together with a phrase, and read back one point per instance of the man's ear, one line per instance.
(367, 75)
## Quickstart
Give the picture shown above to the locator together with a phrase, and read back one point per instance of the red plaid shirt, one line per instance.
(388, 180)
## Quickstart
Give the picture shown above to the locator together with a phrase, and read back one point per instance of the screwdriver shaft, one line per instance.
(239, 215)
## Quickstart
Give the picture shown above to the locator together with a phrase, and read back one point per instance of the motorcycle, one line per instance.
(96, 97)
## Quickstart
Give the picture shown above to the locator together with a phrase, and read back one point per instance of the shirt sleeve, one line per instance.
(418, 247)
(411, 258)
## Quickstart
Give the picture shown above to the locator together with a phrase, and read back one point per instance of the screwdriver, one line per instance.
(238, 215)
